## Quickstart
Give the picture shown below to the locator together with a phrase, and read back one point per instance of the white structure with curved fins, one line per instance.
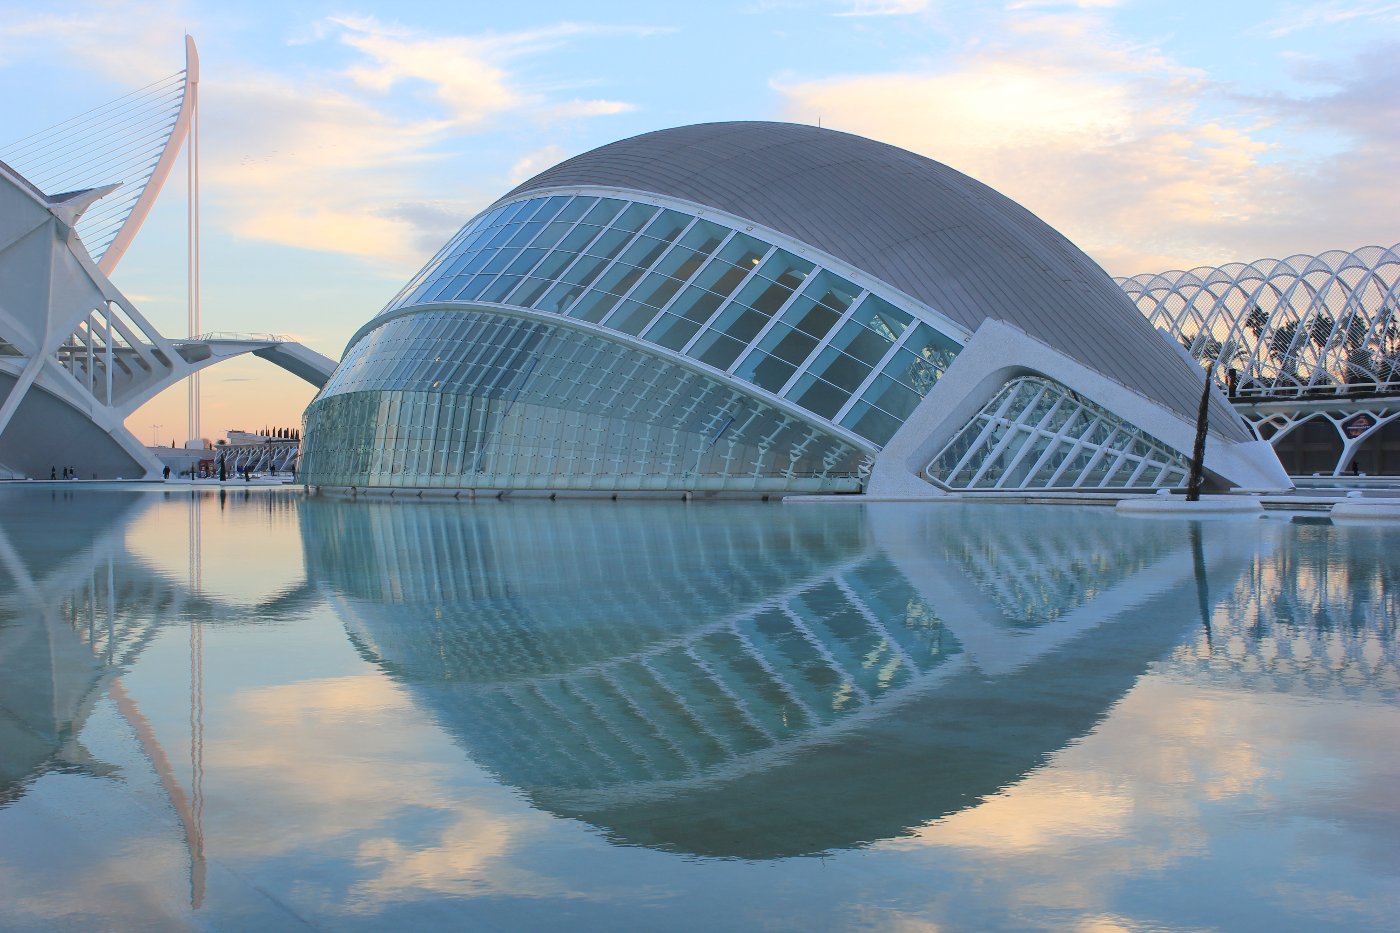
(1308, 347)
(753, 308)
(76, 357)
(132, 141)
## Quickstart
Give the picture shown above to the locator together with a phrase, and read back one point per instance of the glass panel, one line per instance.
(657, 289)
(500, 288)
(680, 263)
(513, 212)
(716, 349)
(927, 343)
(808, 316)
(560, 297)
(575, 209)
(578, 238)
(644, 251)
(525, 234)
(551, 207)
(619, 279)
(788, 344)
(764, 296)
(818, 397)
(525, 261)
(531, 291)
(594, 306)
(668, 225)
(892, 397)
(552, 234)
(672, 332)
(864, 345)
(473, 287)
(501, 260)
(832, 291)
(696, 304)
(721, 278)
(740, 322)
(786, 269)
(501, 235)
(870, 423)
(838, 368)
(766, 372)
(631, 316)
(635, 217)
(585, 270)
(744, 251)
(604, 211)
(704, 237)
(882, 317)
(609, 243)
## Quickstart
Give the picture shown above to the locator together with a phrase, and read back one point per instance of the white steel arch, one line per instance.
(1300, 326)
(132, 141)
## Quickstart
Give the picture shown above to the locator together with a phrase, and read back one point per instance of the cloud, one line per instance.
(343, 157)
(532, 163)
(1145, 163)
(132, 42)
(1079, 4)
(884, 8)
(1153, 793)
(466, 74)
(1311, 16)
(345, 161)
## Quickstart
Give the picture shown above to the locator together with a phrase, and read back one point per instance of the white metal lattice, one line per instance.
(1305, 325)
(1037, 434)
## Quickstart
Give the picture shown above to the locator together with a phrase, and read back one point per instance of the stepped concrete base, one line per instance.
(1177, 506)
(1366, 510)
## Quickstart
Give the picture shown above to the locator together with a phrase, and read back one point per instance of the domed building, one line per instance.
(756, 308)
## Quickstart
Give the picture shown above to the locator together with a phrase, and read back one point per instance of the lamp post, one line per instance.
(155, 434)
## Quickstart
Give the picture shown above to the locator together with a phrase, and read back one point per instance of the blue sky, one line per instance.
(343, 142)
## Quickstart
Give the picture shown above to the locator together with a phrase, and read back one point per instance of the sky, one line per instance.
(342, 143)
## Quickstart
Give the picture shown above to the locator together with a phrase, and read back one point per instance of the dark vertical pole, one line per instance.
(1198, 450)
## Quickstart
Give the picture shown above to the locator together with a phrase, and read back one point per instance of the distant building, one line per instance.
(754, 308)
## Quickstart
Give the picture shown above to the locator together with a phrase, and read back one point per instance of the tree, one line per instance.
(1198, 449)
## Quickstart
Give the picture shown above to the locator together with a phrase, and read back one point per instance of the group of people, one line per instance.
(68, 473)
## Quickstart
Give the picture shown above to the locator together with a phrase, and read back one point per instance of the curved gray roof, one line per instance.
(922, 227)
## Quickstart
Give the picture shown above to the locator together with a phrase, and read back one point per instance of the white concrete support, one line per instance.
(999, 352)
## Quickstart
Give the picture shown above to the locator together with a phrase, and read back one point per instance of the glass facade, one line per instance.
(463, 398)
(720, 296)
(1037, 434)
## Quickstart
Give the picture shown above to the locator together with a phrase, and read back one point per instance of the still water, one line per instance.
(258, 711)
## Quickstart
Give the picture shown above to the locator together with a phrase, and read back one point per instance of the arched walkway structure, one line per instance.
(1307, 348)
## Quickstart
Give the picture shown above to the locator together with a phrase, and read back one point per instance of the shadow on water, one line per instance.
(757, 683)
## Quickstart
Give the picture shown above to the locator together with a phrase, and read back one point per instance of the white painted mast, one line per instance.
(191, 113)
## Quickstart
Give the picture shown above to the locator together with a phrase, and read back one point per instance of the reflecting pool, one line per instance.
(252, 710)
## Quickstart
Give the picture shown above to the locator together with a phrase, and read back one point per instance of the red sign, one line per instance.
(1357, 425)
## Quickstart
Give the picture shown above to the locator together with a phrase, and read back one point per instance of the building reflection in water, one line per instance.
(762, 682)
(721, 680)
(79, 604)
(65, 627)
(1318, 618)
